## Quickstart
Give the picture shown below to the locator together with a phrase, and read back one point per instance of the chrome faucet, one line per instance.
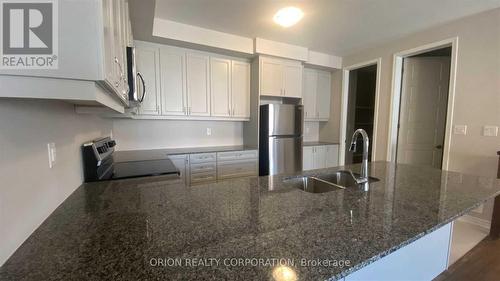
(366, 144)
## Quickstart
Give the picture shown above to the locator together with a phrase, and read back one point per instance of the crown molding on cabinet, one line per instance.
(204, 39)
(279, 49)
(202, 36)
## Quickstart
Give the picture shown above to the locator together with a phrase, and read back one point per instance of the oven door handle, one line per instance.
(143, 86)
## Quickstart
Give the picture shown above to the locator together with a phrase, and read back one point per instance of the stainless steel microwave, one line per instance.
(136, 84)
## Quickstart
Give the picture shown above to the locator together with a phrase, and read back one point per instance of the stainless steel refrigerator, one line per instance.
(280, 139)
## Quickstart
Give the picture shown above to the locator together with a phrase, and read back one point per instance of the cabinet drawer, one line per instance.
(236, 169)
(202, 157)
(203, 177)
(236, 155)
(203, 168)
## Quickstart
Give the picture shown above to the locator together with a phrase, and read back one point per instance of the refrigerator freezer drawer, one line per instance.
(285, 155)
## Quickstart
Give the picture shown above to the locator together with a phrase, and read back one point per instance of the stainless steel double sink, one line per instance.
(329, 182)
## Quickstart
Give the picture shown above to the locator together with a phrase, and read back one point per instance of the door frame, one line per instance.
(397, 81)
(345, 100)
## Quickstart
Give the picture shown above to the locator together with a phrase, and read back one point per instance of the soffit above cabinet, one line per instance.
(194, 37)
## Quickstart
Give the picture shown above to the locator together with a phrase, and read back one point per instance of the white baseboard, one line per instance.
(476, 221)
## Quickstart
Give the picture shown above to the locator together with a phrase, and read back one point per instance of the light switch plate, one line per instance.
(460, 130)
(51, 148)
(209, 131)
(490, 131)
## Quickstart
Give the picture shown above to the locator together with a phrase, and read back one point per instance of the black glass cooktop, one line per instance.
(144, 168)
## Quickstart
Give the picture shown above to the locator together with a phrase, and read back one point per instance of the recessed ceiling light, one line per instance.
(288, 16)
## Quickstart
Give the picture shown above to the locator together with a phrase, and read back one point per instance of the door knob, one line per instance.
(439, 146)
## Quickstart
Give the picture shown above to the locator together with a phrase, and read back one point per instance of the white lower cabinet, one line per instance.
(319, 157)
(181, 162)
(197, 168)
(423, 259)
(203, 168)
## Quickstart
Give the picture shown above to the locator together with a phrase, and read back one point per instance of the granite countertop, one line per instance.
(121, 230)
(316, 143)
(155, 154)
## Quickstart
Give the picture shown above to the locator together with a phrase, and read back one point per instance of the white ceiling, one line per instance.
(336, 27)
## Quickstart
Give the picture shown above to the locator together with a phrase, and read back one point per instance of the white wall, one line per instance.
(477, 98)
(152, 134)
(29, 190)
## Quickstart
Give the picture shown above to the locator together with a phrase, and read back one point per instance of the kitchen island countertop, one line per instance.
(120, 230)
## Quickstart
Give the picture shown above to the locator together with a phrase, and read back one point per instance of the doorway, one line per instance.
(426, 139)
(423, 108)
(360, 111)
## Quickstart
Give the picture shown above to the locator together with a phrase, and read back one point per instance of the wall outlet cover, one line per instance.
(460, 130)
(209, 131)
(490, 131)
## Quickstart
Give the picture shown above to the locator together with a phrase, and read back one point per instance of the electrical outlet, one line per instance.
(460, 130)
(490, 131)
(209, 131)
(51, 148)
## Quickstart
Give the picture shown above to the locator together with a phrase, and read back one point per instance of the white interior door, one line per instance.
(220, 87)
(423, 109)
(240, 89)
(197, 69)
(309, 94)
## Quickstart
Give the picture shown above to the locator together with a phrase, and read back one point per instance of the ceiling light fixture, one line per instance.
(288, 16)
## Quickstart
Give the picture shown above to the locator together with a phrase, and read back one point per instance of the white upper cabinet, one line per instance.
(194, 85)
(197, 85)
(309, 94)
(173, 81)
(280, 78)
(271, 78)
(91, 57)
(292, 80)
(316, 95)
(220, 87)
(147, 65)
(240, 89)
(324, 94)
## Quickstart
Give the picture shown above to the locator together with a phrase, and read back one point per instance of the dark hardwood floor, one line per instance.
(482, 263)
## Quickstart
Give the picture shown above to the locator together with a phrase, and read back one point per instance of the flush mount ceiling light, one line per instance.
(288, 16)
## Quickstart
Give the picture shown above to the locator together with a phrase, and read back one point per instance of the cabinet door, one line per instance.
(147, 64)
(173, 81)
(292, 80)
(309, 94)
(198, 92)
(181, 162)
(121, 85)
(109, 48)
(271, 78)
(324, 94)
(240, 89)
(307, 158)
(319, 157)
(220, 87)
(332, 156)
